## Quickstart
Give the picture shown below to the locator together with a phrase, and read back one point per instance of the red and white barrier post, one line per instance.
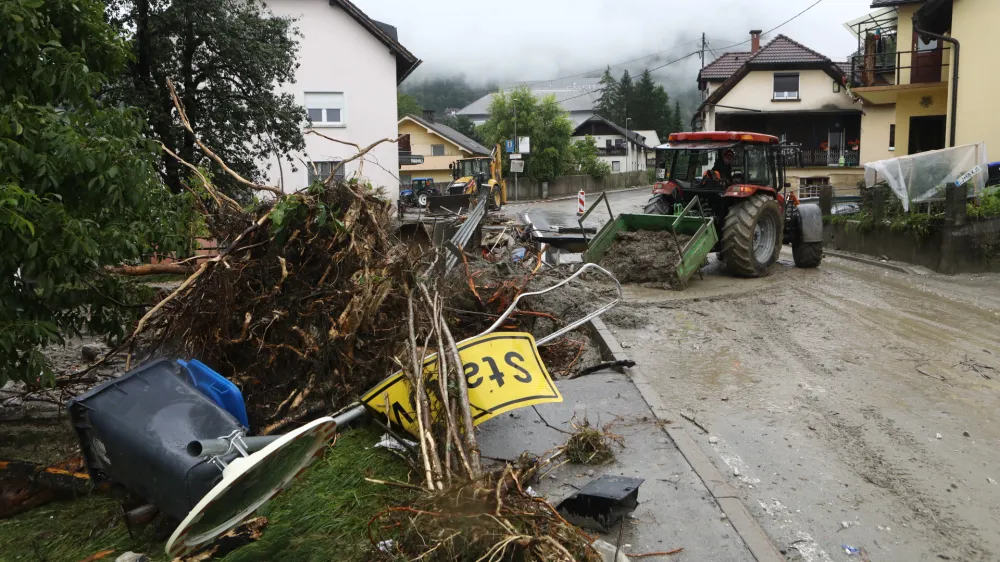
(581, 203)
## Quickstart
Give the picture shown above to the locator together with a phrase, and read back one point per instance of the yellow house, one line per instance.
(439, 144)
(909, 52)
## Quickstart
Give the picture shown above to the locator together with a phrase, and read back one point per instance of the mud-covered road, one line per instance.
(849, 405)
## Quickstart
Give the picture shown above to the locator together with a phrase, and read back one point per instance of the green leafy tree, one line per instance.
(228, 59)
(407, 105)
(606, 105)
(543, 120)
(78, 183)
(584, 160)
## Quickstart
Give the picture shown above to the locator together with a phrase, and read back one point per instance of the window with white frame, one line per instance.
(786, 86)
(616, 166)
(319, 171)
(325, 108)
(437, 150)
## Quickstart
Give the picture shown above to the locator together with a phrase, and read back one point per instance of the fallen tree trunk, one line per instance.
(153, 269)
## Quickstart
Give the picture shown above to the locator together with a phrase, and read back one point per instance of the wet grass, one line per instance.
(323, 517)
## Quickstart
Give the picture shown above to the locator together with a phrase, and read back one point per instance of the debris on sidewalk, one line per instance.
(603, 502)
(591, 445)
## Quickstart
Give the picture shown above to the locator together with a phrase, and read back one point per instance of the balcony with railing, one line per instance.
(879, 69)
(798, 157)
(616, 150)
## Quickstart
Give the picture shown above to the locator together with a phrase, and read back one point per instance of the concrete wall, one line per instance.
(336, 54)
(816, 92)
(967, 255)
(875, 126)
(571, 185)
(974, 24)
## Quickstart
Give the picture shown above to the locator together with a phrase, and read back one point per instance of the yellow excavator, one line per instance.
(473, 176)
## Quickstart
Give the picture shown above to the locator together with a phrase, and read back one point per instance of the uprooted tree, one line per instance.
(78, 183)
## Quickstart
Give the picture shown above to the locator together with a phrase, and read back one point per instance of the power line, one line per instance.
(675, 60)
(811, 6)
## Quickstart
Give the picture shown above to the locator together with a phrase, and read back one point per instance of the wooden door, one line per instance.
(925, 60)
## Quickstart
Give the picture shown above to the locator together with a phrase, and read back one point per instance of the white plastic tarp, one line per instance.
(923, 177)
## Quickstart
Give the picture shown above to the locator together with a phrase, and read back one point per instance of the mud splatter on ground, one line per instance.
(645, 257)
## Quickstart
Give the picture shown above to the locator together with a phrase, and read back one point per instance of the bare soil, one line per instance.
(646, 257)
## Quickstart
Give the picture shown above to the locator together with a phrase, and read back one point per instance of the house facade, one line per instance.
(438, 144)
(790, 91)
(907, 78)
(349, 67)
(624, 151)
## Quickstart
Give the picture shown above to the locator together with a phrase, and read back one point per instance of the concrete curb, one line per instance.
(756, 540)
(564, 198)
(867, 261)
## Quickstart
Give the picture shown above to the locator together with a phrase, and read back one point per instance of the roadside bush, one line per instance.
(988, 207)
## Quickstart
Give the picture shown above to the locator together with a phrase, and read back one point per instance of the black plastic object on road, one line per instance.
(134, 431)
(602, 503)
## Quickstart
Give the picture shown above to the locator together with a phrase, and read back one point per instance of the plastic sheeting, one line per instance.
(919, 178)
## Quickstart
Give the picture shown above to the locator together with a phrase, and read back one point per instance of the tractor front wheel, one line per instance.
(659, 205)
(751, 236)
(496, 199)
(807, 254)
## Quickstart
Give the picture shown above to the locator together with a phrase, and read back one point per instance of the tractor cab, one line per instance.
(467, 171)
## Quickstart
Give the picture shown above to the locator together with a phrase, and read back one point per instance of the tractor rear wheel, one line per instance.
(659, 205)
(807, 254)
(751, 236)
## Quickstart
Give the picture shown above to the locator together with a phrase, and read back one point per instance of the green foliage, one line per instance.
(583, 158)
(440, 94)
(988, 207)
(325, 511)
(228, 60)
(78, 183)
(607, 105)
(543, 120)
(677, 123)
(644, 103)
(407, 105)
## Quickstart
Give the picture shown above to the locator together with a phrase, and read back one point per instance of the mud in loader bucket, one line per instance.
(692, 254)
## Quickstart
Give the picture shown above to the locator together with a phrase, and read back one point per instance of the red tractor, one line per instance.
(740, 180)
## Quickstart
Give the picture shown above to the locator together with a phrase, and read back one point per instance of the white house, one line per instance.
(790, 91)
(612, 147)
(349, 67)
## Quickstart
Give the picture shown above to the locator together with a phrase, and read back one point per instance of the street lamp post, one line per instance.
(628, 149)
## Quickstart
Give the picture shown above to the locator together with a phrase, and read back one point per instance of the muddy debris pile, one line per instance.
(646, 257)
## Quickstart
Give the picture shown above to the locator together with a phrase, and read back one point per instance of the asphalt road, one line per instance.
(545, 215)
(849, 405)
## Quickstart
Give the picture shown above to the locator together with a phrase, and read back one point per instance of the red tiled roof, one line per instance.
(784, 50)
(724, 66)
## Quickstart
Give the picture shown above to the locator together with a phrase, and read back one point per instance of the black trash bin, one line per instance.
(134, 431)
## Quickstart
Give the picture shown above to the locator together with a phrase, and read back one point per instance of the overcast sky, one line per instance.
(514, 40)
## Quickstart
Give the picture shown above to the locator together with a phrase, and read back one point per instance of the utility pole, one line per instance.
(516, 147)
(704, 44)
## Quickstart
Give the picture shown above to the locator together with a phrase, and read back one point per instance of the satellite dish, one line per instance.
(248, 483)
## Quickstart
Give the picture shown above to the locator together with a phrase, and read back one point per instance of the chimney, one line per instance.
(755, 40)
(429, 115)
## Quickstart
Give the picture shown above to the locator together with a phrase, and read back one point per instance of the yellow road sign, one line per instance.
(503, 372)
